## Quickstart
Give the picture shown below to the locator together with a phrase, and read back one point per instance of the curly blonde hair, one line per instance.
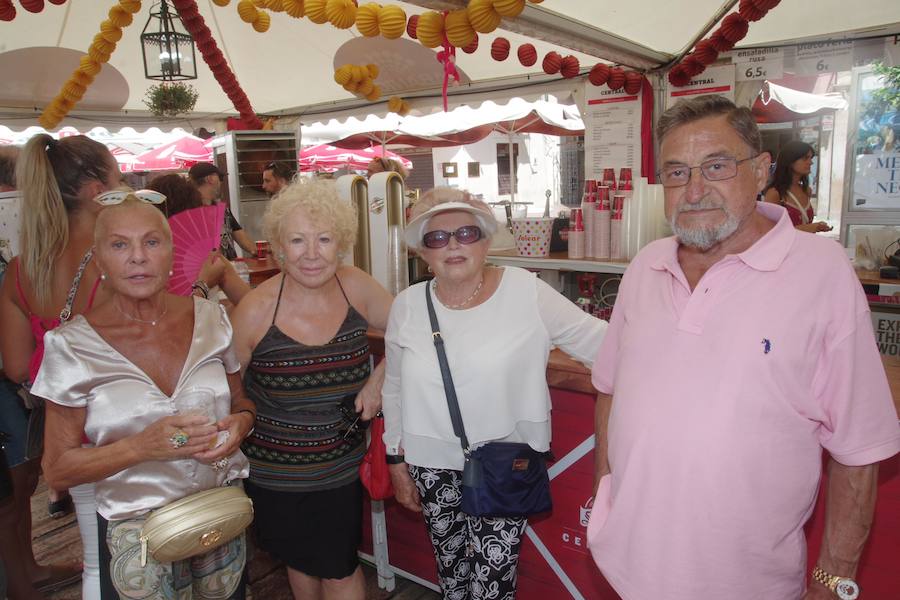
(320, 200)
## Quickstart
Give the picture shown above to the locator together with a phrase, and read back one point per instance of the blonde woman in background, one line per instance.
(53, 279)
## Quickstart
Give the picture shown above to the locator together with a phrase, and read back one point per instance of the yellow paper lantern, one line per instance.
(372, 70)
(392, 21)
(459, 30)
(120, 17)
(482, 16)
(80, 77)
(365, 87)
(367, 19)
(395, 103)
(293, 8)
(262, 22)
(110, 32)
(405, 108)
(509, 8)
(375, 94)
(359, 73)
(130, 6)
(46, 122)
(315, 10)
(221, 2)
(73, 91)
(430, 29)
(275, 5)
(341, 13)
(64, 104)
(343, 74)
(103, 45)
(97, 55)
(351, 86)
(247, 11)
(89, 65)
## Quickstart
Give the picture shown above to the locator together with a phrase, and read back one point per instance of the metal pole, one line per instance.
(512, 171)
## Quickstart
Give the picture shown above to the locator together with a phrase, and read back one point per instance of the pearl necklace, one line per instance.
(153, 323)
(464, 302)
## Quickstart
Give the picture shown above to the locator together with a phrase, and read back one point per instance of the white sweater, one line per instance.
(497, 352)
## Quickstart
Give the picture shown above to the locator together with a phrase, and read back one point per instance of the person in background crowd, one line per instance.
(8, 156)
(499, 325)
(790, 186)
(380, 165)
(301, 338)
(54, 278)
(710, 459)
(208, 180)
(182, 195)
(120, 373)
(276, 176)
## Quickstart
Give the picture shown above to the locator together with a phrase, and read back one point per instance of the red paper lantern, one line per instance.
(633, 82)
(692, 66)
(500, 49)
(569, 67)
(678, 76)
(719, 42)
(751, 12)
(7, 10)
(552, 63)
(734, 27)
(527, 55)
(471, 48)
(33, 6)
(599, 74)
(705, 52)
(57, 2)
(616, 78)
(766, 4)
(411, 26)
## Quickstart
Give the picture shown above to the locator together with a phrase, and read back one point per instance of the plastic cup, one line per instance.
(532, 236)
(262, 248)
(199, 401)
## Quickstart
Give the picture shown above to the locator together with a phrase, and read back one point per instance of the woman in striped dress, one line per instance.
(301, 337)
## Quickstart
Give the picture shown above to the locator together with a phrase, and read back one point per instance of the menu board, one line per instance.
(612, 130)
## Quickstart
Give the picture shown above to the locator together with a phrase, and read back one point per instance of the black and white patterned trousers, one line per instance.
(476, 557)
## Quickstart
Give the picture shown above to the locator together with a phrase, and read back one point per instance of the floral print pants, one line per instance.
(476, 557)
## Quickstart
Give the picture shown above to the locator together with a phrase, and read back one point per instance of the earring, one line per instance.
(280, 257)
(428, 269)
(102, 276)
(171, 272)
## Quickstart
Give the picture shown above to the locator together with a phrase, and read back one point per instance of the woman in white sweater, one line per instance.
(498, 325)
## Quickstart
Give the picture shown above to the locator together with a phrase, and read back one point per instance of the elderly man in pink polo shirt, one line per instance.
(738, 349)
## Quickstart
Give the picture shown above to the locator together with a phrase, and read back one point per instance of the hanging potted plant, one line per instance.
(170, 99)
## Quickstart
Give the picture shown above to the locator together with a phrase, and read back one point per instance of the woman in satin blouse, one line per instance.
(122, 373)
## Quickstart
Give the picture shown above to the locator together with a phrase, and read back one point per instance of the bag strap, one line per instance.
(66, 312)
(449, 388)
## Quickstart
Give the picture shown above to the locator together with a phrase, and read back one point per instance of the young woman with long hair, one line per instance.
(790, 186)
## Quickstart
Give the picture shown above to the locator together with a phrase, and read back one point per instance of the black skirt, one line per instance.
(316, 533)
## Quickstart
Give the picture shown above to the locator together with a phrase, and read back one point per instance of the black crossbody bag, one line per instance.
(500, 479)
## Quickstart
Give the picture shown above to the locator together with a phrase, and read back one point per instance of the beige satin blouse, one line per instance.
(80, 369)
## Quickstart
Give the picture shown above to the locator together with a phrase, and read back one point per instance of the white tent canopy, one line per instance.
(289, 69)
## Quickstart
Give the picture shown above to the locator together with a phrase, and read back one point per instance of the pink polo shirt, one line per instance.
(723, 400)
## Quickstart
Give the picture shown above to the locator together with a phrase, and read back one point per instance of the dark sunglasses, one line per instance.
(468, 234)
(355, 425)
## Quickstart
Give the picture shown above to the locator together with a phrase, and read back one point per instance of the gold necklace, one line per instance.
(137, 320)
(464, 302)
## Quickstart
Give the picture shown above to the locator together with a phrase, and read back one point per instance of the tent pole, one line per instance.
(512, 170)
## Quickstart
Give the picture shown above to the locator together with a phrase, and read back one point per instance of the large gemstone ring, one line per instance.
(179, 439)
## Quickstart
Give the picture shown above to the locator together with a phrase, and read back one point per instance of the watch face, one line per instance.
(847, 589)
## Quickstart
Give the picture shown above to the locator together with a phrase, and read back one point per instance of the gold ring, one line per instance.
(179, 439)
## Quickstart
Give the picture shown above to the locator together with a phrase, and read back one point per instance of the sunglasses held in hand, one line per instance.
(468, 234)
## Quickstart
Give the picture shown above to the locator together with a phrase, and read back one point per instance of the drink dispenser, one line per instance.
(354, 189)
(384, 221)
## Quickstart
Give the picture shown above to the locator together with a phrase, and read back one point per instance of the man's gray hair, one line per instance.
(701, 107)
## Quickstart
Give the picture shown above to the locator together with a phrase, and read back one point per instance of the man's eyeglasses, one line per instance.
(468, 234)
(114, 197)
(714, 169)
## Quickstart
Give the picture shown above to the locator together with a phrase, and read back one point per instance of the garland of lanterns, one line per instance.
(215, 60)
(8, 9)
(733, 29)
(99, 52)
(359, 80)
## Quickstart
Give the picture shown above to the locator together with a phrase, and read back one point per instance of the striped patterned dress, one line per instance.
(299, 442)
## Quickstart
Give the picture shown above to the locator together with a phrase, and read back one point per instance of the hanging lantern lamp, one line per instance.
(167, 47)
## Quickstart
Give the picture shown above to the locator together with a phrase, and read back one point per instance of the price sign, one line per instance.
(758, 63)
(824, 57)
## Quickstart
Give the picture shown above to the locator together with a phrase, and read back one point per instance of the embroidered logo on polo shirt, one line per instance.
(767, 346)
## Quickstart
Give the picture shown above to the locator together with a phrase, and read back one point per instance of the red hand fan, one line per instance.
(195, 233)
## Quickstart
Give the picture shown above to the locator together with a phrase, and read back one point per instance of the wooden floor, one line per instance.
(57, 540)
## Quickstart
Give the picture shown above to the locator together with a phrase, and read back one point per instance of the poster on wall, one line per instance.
(876, 173)
(612, 130)
(714, 80)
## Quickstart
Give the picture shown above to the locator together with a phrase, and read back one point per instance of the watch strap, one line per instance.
(825, 578)
(394, 459)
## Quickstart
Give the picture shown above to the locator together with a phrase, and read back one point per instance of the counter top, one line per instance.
(557, 261)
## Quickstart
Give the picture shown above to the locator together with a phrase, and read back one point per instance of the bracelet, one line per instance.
(252, 426)
(202, 287)
(394, 459)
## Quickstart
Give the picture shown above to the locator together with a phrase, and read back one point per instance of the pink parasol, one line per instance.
(327, 158)
(179, 154)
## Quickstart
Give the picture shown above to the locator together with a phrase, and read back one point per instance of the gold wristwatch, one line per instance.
(844, 587)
